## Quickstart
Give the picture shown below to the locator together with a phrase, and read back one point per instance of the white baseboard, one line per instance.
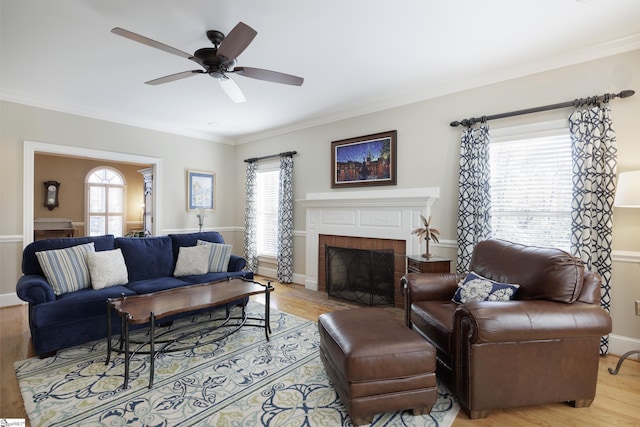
(7, 300)
(619, 345)
(272, 273)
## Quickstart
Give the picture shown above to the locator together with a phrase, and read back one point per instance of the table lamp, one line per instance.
(627, 196)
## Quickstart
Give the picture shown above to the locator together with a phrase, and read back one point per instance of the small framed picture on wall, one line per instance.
(201, 190)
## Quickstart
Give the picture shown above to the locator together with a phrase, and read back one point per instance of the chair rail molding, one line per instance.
(626, 256)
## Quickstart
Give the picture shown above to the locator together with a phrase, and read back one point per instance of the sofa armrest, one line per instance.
(427, 286)
(531, 320)
(34, 289)
(236, 263)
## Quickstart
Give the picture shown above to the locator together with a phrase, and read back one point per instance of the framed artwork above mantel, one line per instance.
(364, 161)
(201, 190)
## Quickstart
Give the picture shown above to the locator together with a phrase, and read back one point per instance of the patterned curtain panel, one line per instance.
(285, 221)
(594, 174)
(250, 219)
(474, 201)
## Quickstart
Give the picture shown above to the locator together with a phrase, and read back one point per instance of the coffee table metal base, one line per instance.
(157, 343)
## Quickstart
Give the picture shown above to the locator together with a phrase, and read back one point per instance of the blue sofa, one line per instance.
(60, 321)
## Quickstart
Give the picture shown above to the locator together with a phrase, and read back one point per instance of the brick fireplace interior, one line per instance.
(399, 255)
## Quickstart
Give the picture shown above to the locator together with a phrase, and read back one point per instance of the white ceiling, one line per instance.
(356, 56)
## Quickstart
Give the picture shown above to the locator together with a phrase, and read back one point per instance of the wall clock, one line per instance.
(51, 194)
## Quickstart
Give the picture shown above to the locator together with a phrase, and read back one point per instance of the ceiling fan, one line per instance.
(217, 61)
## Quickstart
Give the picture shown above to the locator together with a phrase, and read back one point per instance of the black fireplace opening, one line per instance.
(361, 276)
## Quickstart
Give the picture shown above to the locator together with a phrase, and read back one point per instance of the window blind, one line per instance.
(531, 189)
(267, 212)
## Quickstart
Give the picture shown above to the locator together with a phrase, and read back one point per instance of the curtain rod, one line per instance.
(575, 103)
(285, 154)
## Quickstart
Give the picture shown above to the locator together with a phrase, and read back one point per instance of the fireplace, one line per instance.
(395, 247)
(362, 276)
(374, 219)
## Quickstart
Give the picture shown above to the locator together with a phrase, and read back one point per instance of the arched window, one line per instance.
(105, 202)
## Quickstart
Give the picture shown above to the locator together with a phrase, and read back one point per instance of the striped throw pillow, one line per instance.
(219, 258)
(66, 269)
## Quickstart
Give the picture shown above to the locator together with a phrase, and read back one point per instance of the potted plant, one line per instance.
(426, 233)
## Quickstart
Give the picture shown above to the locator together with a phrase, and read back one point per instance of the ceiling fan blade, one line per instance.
(268, 75)
(149, 42)
(176, 76)
(236, 41)
(232, 90)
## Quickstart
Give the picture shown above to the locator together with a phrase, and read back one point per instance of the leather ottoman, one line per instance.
(377, 364)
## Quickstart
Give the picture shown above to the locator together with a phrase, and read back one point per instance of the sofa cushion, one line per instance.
(542, 273)
(30, 263)
(66, 269)
(107, 268)
(146, 257)
(192, 260)
(148, 286)
(218, 257)
(477, 288)
(216, 277)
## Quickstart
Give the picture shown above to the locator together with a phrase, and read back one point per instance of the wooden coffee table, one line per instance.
(149, 308)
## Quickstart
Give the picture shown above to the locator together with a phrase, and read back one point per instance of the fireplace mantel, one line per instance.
(383, 214)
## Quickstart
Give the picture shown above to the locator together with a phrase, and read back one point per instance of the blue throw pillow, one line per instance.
(146, 257)
(477, 288)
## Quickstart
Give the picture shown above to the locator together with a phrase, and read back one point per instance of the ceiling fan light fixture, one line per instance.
(232, 90)
(217, 61)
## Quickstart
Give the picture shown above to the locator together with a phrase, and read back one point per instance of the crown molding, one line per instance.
(565, 59)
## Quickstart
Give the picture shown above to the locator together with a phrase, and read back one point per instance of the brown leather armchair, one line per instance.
(541, 347)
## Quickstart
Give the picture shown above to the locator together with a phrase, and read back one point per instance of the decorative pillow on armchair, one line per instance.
(477, 288)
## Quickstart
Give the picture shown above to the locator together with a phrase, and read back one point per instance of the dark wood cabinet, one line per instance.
(433, 264)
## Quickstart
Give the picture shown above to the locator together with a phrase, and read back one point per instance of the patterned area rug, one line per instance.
(242, 380)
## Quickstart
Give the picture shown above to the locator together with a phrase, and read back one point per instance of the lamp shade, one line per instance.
(628, 190)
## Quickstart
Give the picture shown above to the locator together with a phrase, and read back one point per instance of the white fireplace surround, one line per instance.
(383, 214)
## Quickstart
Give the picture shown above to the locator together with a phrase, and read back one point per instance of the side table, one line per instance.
(433, 264)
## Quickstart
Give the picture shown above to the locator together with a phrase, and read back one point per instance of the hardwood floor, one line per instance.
(617, 401)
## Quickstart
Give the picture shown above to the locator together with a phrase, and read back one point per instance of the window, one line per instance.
(267, 182)
(105, 202)
(531, 186)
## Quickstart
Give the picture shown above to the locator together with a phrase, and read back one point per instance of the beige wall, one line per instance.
(71, 173)
(427, 156)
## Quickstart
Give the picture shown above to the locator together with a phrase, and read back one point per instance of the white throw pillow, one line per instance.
(220, 255)
(192, 260)
(66, 269)
(107, 268)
